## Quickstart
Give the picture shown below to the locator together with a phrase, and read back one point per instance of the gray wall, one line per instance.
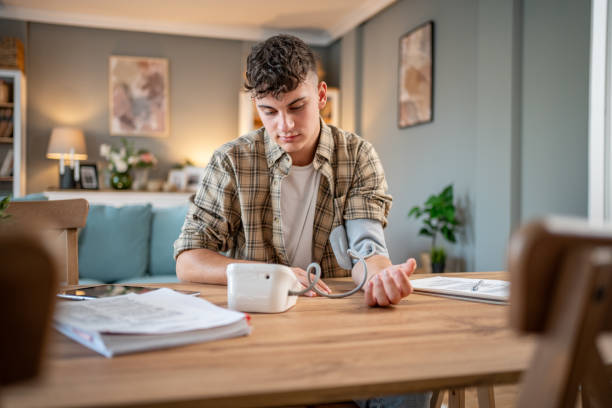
(420, 160)
(68, 85)
(555, 107)
(510, 116)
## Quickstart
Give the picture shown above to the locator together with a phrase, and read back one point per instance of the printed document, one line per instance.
(478, 290)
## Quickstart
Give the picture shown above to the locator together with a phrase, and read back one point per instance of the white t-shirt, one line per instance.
(298, 202)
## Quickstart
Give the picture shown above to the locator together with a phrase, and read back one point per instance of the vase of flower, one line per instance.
(121, 181)
(121, 160)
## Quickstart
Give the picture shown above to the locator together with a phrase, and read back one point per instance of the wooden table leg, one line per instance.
(456, 398)
(436, 399)
(486, 396)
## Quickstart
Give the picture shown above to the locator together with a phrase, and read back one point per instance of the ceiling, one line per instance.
(318, 22)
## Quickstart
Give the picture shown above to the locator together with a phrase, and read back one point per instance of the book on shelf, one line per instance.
(7, 164)
(139, 322)
(475, 290)
(6, 122)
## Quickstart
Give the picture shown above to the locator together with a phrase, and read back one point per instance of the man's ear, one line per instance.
(322, 94)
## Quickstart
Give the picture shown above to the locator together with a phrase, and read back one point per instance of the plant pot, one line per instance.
(121, 181)
(437, 267)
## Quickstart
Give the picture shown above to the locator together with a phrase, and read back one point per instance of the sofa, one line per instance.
(129, 244)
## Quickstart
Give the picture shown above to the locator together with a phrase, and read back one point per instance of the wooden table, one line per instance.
(321, 350)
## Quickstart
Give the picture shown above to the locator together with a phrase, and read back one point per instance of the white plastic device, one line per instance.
(273, 288)
(262, 288)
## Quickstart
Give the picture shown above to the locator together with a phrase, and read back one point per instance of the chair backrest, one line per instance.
(536, 256)
(28, 284)
(62, 215)
(561, 288)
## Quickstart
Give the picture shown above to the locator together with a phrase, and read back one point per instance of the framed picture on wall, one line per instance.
(88, 173)
(331, 112)
(415, 94)
(138, 96)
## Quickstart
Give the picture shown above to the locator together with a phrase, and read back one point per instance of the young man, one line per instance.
(275, 194)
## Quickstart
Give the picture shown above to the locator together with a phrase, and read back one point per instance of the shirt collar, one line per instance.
(324, 150)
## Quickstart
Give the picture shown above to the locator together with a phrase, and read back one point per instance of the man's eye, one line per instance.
(268, 113)
(294, 108)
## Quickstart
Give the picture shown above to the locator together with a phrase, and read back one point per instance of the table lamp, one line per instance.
(67, 143)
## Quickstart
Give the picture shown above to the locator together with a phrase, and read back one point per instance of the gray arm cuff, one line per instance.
(359, 235)
(364, 232)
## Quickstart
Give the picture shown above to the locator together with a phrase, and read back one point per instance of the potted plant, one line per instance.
(439, 217)
(4, 203)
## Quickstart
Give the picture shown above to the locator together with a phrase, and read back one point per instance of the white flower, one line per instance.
(132, 160)
(105, 150)
(121, 166)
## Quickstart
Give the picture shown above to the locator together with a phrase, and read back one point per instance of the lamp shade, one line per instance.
(63, 139)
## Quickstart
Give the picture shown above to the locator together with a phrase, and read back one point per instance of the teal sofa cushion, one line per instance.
(114, 244)
(30, 197)
(165, 229)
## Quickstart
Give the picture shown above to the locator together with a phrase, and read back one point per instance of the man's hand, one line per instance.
(390, 285)
(303, 278)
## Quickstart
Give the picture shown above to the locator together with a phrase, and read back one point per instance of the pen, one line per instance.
(477, 285)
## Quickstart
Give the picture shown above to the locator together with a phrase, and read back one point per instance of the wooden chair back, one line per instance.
(28, 284)
(64, 216)
(561, 288)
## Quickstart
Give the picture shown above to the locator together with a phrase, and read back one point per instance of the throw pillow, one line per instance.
(165, 229)
(114, 244)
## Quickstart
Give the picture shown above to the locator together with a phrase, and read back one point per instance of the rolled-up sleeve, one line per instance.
(214, 214)
(368, 197)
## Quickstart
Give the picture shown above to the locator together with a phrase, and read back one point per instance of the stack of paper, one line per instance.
(477, 290)
(158, 319)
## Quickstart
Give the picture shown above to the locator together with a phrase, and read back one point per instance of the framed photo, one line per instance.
(416, 76)
(177, 178)
(331, 112)
(138, 96)
(88, 174)
(193, 177)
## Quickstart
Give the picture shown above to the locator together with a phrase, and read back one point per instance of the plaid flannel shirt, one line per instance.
(237, 208)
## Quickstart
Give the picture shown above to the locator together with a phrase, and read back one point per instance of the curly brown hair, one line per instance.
(278, 65)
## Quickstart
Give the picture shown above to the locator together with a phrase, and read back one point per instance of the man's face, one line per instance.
(292, 120)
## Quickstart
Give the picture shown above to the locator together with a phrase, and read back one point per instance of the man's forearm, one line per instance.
(376, 263)
(204, 266)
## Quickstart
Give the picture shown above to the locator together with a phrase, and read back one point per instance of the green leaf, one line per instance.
(425, 231)
(415, 211)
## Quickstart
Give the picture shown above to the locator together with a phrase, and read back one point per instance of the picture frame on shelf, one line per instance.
(139, 96)
(416, 62)
(177, 178)
(89, 176)
(193, 177)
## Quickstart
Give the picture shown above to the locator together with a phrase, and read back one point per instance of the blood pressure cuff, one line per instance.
(360, 235)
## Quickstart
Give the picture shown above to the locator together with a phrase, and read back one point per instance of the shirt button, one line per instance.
(275, 219)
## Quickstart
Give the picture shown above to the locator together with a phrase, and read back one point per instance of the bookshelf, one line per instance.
(12, 133)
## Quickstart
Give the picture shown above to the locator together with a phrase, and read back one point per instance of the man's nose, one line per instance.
(286, 122)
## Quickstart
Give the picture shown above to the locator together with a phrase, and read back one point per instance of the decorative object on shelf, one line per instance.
(440, 218)
(193, 177)
(177, 180)
(416, 76)
(4, 92)
(139, 96)
(67, 143)
(123, 159)
(121, 181)
(155, 185)
(331, 112)
(143, 162)
(89, 177)
(11, 54)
